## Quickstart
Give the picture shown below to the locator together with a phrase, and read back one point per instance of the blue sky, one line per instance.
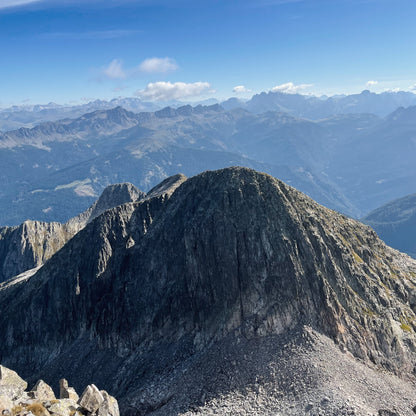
(73, 51)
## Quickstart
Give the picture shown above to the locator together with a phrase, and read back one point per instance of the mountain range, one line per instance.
(298, 105)
(226, 293)
(352, 163)
(395, 223)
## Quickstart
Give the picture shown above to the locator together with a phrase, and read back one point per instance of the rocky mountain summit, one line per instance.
(226, 293)
(41, 400)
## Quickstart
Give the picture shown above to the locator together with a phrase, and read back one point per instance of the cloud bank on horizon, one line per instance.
(167, 91)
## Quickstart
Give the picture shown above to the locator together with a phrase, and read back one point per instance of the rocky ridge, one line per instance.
(15, 400)
(32, 243)
(147, 292)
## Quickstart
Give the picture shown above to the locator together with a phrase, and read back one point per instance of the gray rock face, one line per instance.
(109, 407)
(42, 392)
(91, 399)
(231, 254)
(66, 392)
(167, 187)
(111, 197)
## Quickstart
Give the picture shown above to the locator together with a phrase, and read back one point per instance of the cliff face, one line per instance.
(148, 285)
(29, 245)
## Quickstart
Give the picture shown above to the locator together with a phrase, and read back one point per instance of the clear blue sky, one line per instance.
(70, 50)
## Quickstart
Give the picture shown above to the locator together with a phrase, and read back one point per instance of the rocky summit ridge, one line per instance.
(229, 287)
(29, 245)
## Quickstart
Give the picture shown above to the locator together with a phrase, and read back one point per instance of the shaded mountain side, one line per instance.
(32, 243)
(148, 286)
(395, 223)
(376, 165)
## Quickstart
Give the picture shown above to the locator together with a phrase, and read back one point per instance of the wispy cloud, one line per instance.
(5, 4)
(166, 91)
(371, 83)
(158, 65)
(265, 3)
(240, 89)
(290, 88)
(116, 70)
(93, 34)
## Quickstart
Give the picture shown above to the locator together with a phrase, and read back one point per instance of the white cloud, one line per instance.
(393, 90)
(165, 91)
(412, 87)
(114, 70)
(290, 88)
(240, 89)
(14, 3)
(153, 65)
(371, 83)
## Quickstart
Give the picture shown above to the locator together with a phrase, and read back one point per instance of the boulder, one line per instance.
(11, 385)
(42, 391)
(109, 407)
(66, 392)
(91, 399)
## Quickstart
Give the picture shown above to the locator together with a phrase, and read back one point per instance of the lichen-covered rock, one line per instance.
(91, 399)
(63, 407)
(6, 405)
(11, 385)
(109, 407)
(42, 391)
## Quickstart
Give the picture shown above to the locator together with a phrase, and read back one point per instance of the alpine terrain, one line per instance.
(226, 293)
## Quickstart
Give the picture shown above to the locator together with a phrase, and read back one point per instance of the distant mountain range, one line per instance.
(298, 105)
(395, 223)
(315, 108)
(352, 162)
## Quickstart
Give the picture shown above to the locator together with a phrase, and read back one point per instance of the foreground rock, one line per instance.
(41, 401)
(11, 385)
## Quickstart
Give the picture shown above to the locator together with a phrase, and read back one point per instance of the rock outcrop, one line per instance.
(41, 401)
(152, 290)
